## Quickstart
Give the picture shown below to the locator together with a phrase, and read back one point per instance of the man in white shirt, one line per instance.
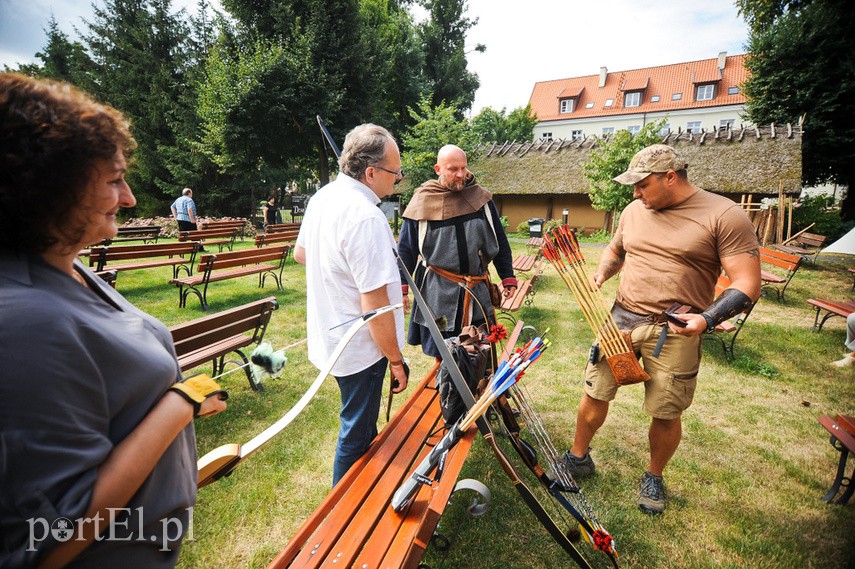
(347, 247)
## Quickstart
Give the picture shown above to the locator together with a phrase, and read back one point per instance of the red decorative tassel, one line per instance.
(497, 332)
(602, 540)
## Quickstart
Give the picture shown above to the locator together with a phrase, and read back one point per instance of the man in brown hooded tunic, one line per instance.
(451, 229)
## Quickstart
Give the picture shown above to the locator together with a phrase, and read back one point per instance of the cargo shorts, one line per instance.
(673, 375)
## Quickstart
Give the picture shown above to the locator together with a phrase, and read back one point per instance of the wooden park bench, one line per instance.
(211, 338)
(805, 245)
(239, 224)
(842, 431)
(280, 227)
(144, 233)
(222, 238)
(830, 308)
(355, 525)
(176, 255)
(726, 332)
(281, 237)
(525, 263)
(784, 262)
(523, 295)
(214, 267)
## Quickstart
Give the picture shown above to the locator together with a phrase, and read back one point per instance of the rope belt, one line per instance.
(469, 281)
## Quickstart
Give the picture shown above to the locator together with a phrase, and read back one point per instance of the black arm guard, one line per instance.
(729, 303)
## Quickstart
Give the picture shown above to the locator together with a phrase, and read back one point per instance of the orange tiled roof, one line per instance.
(662, 81)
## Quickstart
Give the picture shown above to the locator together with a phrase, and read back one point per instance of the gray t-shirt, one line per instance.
(80, 369)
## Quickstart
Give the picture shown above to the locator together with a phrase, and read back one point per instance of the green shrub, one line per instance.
(819, 211)
(599, 236)
(522, 228)
(550, 225)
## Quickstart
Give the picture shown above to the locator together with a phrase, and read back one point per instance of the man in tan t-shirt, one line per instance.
(671, 244)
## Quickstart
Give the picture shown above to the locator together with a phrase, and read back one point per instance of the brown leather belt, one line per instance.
(469, 281)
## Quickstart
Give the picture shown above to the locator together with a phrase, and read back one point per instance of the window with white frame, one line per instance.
(676, 96)
(632, 99)
(567, 105)
(608, 130)
(705, 92)
(633, 130)
(546, 136)
(609, 102)
(666, 129)
(654, 99)
(576, 134)
(733, 90)
(693, 126)
(725, 124)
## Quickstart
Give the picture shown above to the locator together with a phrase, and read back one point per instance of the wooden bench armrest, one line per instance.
(838, 432)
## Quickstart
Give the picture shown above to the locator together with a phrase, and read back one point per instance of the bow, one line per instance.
(223, 460)
(486, 431)
(555, 478)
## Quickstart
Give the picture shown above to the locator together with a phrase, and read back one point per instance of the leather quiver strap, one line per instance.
(627, 369)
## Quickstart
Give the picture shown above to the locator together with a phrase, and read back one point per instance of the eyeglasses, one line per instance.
(399, 174)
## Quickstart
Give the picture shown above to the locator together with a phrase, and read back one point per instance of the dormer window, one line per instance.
(567, 106)
(632, 99)
(705, 92)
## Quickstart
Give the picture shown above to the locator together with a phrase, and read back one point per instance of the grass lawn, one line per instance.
(744, 486)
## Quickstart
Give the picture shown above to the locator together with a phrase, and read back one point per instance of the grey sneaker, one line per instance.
(579, 467)
(651, 499)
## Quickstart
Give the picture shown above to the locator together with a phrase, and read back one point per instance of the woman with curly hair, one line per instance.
(97, 447)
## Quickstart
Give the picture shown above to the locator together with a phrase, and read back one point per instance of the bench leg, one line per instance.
(817, 323)
(219, 368)
(840, 480)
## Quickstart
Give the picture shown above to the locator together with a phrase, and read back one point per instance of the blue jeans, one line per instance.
(360, 406)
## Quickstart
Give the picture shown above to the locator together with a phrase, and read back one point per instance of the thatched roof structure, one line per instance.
(753, 160)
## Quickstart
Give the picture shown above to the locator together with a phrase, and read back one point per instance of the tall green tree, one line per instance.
(395, 76)
(611, 159)
(61, 58)
(434, 128)
(305, 58)
(444, 37)
(139, 52)
(802, 64)
(495, 126)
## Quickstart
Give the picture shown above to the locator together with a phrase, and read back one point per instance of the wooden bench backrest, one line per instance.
(780, 259)
(243, 257)
(202, 332)
(279, 227)
(207, 233)
(811, 240)
(106, 253)
(222, 224)
(140, 230)
(276, 237)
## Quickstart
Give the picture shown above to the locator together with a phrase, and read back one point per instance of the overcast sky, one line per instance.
(528, 41)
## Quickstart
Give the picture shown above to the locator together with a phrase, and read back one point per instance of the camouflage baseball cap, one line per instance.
(657, 158)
